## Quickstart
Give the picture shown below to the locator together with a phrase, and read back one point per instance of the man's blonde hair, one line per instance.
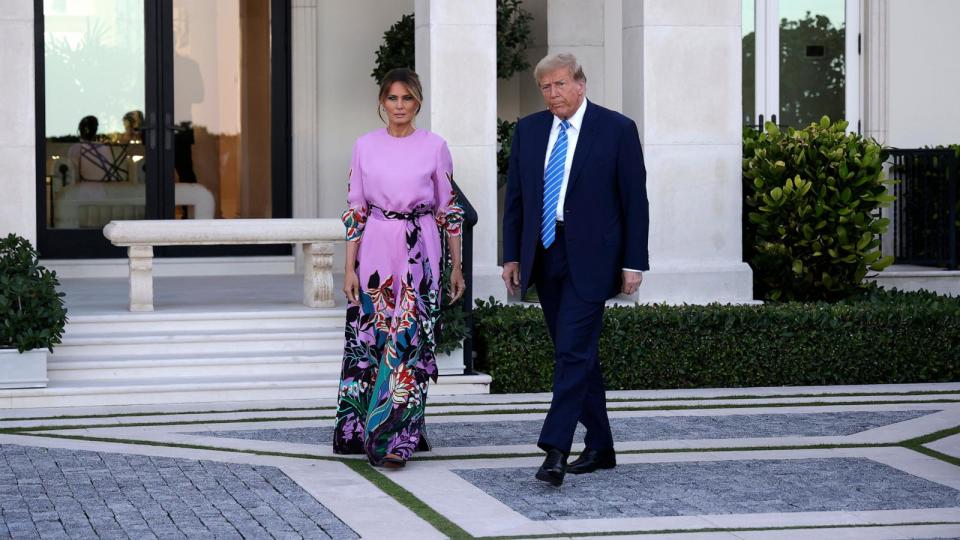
(553, 62)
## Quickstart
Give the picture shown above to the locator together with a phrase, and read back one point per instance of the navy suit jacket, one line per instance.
(605, 210)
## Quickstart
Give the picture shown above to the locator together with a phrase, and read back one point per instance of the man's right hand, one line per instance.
(511, 277)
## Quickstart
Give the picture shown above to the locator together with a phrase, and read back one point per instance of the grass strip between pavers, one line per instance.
(407, 499)
(467, 404)
(155, 413)
(478, 412)
(706, 407)
(710, 530)
(16, 429)
(917, 444)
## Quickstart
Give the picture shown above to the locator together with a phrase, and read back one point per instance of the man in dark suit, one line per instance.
(575, 224)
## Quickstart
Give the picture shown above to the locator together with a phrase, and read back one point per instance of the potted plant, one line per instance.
(32, 315)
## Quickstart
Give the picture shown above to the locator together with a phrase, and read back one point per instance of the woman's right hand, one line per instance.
(351, 287)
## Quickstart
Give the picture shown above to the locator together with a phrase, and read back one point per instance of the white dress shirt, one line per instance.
(573, 133)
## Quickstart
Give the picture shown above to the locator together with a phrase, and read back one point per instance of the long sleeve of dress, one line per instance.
(448, 211)
(355, 216)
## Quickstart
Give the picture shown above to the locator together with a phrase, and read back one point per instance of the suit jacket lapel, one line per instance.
(541, 135)
(584, 143)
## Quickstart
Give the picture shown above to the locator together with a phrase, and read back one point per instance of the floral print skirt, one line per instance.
(388, 357)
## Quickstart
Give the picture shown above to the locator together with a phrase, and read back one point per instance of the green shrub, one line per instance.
(876, 338)
(513, 39)
(812, 198)
(32, 315)
(397, 49)
(453, 319)
(504, 142)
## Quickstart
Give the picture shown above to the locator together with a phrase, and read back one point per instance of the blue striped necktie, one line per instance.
(552, 180)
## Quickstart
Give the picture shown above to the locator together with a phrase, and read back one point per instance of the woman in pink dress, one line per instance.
(399, 200)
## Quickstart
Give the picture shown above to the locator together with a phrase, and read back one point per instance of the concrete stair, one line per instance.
(211, 356)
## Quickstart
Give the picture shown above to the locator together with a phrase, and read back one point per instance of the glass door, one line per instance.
(90, 114)
(169, 109)
(224, 119)
(801, 61)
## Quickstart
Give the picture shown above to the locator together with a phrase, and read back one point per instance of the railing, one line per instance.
(469, 221)
(925, 211)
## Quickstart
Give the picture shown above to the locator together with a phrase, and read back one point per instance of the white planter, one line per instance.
(451, 364)
(23, 370)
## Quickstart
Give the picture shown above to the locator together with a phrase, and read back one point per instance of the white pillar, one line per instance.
(591, 30)
(456, 60)
(18, 207)
(305, 123)
(682, 85)
(874, 71)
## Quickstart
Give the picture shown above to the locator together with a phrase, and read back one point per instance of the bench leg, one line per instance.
(141, 278)
(318, 274)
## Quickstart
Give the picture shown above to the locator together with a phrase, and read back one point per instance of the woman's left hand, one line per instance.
(457, 285)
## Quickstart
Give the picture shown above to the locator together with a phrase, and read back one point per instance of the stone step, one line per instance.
(63, 367)
(81, 325)
(112, 391)
(306, 340)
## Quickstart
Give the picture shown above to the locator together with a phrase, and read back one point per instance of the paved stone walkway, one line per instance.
(650, 428)
(55, 493)
(715, 487)
(836, 471)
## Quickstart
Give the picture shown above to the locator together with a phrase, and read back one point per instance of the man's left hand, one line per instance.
(631, 281)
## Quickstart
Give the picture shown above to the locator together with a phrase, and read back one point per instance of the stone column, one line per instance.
(318, 275)
(875, 69)
(305, 123)
(141, 277)
(682, 85)
(876, 106)
(18, 207)
(456, 60)
(591, 30)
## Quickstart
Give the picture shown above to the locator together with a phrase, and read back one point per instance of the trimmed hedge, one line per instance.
(881, 337)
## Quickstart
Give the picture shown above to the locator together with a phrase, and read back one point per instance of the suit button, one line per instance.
(566, 212)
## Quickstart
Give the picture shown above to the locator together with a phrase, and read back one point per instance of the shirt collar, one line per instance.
(576, 120)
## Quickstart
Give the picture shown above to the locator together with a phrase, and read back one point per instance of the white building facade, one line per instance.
(267, 96)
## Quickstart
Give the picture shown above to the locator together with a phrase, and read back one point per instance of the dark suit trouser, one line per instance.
(574, 325)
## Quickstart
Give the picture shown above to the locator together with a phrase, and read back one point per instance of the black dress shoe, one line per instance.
(591, 460)
(553, 468)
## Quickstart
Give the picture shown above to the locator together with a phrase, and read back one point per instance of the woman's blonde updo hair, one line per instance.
(409, 78)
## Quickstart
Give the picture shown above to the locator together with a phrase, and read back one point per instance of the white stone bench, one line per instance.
(316, 235)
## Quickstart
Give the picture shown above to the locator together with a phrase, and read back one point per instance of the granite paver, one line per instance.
(715, 487)
(58, 493)
(640, 428)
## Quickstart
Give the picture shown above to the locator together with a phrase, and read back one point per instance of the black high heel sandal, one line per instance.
(424, 444)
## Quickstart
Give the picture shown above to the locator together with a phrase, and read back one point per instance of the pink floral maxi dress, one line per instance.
(400, 197)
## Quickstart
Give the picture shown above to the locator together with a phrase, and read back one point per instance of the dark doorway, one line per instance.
(169, 109)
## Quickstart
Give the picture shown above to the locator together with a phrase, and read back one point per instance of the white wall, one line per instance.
(681, 84)
(593, 31)
(334, 47)
(923, 72)
(518, 96)
(18, 210)
(349, 35)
